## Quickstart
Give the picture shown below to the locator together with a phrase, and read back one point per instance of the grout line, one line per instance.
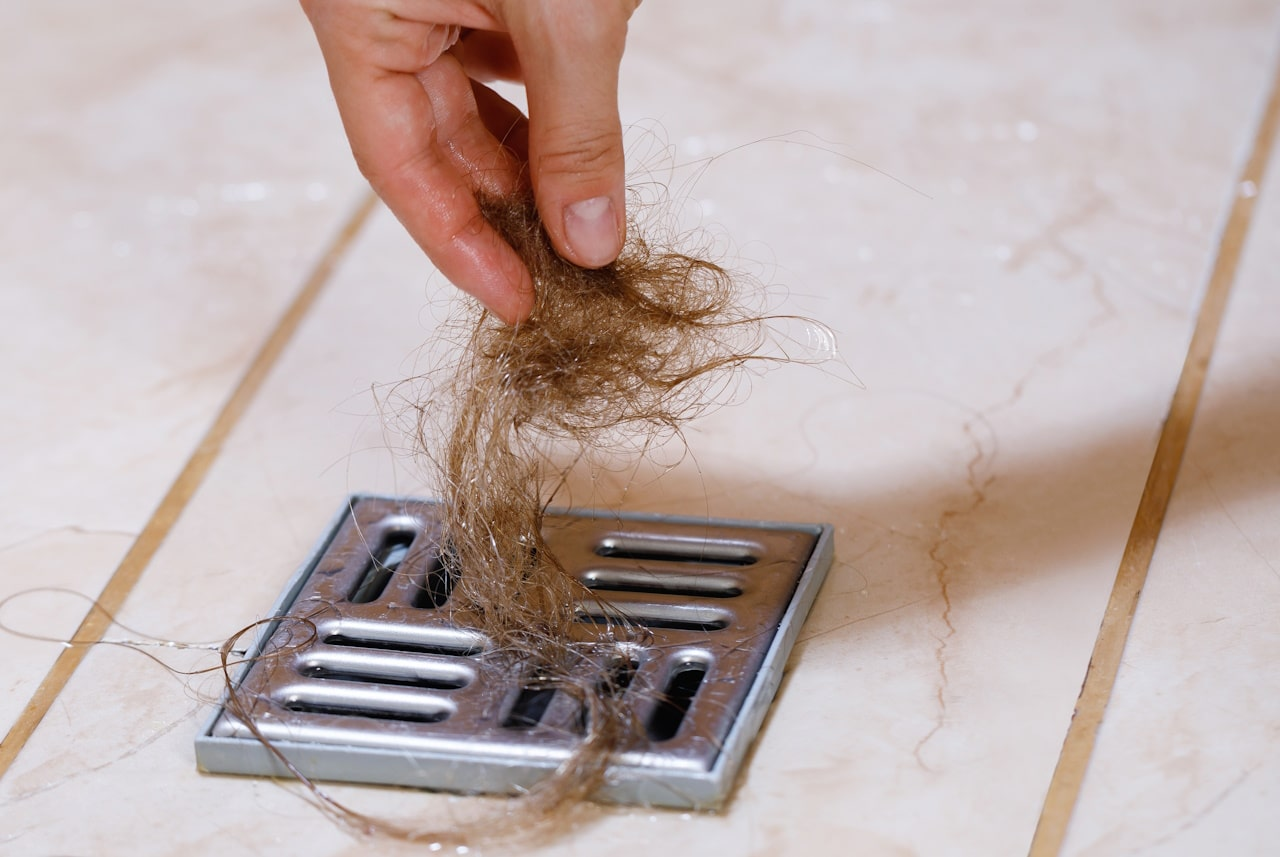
(1108, 648)
(189, 480)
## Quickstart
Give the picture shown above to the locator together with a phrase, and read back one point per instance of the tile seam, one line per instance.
(180, 492)
(1104, 662)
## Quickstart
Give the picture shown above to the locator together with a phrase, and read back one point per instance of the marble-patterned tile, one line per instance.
(165, 185)
(1012, 279)
(1188, 758)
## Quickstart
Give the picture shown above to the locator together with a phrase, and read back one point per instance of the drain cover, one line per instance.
(389, 691)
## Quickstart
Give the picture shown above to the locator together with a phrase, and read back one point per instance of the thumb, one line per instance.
(569, 53)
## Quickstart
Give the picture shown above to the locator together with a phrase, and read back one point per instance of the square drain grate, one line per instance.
(388, 690)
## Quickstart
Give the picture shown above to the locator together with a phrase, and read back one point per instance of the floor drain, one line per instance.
(389, 691)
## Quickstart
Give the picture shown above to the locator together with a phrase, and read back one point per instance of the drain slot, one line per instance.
(690, 585)
(437, 584)
(530, 707)
(619, 677)
(395, 637)
(674, 617)
(382, 703)
(382, 564)
(678, 549)
(299, 706)
(615, 681)
(379, 668)
(676, 699)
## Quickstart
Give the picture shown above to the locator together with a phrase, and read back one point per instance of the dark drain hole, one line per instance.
(675, 701)
(437, 584)
(612, 684)
(429, 682)
(382, 564)
(530, 706)
(619, 677)
(459, 650)
(373, 713)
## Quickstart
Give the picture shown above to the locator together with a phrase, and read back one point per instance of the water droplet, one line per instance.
(1027, 131)
(1248, 189)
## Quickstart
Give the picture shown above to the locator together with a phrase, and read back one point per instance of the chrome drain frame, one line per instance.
(388, 690)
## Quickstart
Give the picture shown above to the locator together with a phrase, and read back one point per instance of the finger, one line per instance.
(475, 150)
(504, 121)
(489, 56)
(570, 52)
(393, 133)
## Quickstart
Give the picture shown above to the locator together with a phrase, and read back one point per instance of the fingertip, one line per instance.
(512, 307)
(593, 232)
(508, 290)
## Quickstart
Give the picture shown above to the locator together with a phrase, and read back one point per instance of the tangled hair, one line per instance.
(610, 361)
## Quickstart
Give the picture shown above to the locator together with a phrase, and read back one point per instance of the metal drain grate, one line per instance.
(391, 692)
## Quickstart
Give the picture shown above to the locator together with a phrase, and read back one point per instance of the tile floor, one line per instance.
(1008, 212)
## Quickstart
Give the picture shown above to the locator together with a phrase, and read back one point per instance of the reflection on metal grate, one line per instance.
(390, 691)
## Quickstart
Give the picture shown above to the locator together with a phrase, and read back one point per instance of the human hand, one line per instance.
(428, 134)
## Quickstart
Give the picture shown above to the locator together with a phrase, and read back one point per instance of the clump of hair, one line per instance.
(611, 361)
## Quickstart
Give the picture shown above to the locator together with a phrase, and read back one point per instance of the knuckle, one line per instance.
(573, 151)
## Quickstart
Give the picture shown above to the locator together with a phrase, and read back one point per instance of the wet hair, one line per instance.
(611, 361)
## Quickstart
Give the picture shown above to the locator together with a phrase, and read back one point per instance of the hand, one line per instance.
(428, 135)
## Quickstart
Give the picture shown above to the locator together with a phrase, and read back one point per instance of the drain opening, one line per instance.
(619, 677)
(385, 703)
(613, 684)
(380, 669)
(689, 585)
(446, 642)
(678, 549)
(427, 682)
(301, 706)
(530, 706)
(676, 699)
(382, 564)
(437, 584)
(671, 617)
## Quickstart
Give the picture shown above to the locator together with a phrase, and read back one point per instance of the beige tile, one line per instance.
(1017, 323)
(1188, 758)
(168, 174)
